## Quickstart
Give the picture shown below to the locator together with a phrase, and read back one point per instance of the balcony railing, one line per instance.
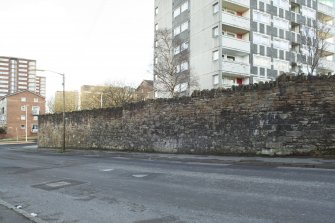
(326, 9)
(237, 45)
(236, 68)
(238, 22)
(243, 3)
(327, 64)
(329, 47)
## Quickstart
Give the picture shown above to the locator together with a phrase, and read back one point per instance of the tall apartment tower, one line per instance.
(233, 42)
(17, 74)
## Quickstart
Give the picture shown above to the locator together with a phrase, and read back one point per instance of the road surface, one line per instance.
(125, 188)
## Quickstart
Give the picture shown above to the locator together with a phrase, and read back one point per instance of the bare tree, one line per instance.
(51, 105)
(116, 95)
(109, 95)
(316, 44)
(71, 102)
(171, 65)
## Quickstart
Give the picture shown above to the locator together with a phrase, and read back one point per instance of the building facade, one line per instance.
(144, 91)
(71, 101)
(234, 42)
(18, 74)
(19, 113)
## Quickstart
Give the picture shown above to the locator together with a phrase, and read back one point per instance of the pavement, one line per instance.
(11, 215)
(103, 186)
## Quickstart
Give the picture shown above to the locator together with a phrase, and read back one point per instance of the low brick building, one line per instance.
(19, 110)
(145, 91)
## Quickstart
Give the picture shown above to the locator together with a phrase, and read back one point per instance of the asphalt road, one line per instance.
(106, 187)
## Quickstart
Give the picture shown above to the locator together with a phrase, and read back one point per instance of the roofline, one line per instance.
(18, 58)
(18, 92)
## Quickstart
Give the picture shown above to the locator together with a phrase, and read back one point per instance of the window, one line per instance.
(230, 11)
(176, 50)
(184, 26)
(35, 118)
(215, 55)
(176, 31)
(156, 43)
(156, 27)
(216, 79)
(23, 127)
(23, 117)
(216, 8)
(230, 58)
(176, 12)
(183, 66)
(156, 11)
(23, 99)
(156, 60)
(35, 110)
(23, 108)
(184, 6)
(216, 31)
(181, 87)
(184, 46)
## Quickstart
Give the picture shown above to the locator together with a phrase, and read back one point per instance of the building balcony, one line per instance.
(327, 28)
(235, 24)
(295, 17)
(235, 69)
(325, 12)
(237, 5)
(329, 49)
(326, 65)
(295, 38)
(234, 46)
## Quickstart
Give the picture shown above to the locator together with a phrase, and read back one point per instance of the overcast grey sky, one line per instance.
(91, 41)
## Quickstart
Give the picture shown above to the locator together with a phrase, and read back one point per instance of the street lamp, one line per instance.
(63, 75)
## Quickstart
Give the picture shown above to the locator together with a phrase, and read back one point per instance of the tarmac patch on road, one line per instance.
(55, 185)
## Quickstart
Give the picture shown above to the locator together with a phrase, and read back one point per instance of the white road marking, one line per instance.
(106, 170)
(140, 175)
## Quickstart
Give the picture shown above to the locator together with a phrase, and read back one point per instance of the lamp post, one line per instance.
(26, 108)
(63, 76)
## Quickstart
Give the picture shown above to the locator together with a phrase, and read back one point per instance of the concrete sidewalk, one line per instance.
(12, 216)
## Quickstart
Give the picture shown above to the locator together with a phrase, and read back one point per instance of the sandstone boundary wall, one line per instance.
(294, 115)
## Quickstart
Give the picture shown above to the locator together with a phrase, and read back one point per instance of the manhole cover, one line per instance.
(54, 185)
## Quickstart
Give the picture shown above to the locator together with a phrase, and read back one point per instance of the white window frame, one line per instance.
(215, 55)
(216, 8)
(184, 26)
(23, 99)
(176, 12)
(216, 80)
(215, 31)
(23, 117)
(184, 7)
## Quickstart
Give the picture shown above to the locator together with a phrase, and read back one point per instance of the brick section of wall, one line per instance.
(294, 115)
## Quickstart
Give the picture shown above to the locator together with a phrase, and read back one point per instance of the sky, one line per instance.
(93, 42)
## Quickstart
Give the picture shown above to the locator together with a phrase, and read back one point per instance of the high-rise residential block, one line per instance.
(18, 74)
(233, 42)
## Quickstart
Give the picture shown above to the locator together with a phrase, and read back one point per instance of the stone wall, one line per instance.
(294, 115)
